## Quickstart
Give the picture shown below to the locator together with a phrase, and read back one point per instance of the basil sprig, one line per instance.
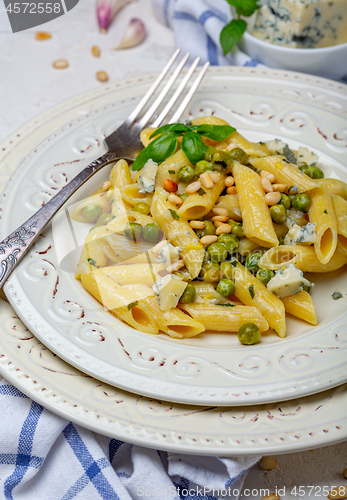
(192, 145)
(232, 32)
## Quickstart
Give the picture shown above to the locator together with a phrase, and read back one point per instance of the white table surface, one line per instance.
(29, 85)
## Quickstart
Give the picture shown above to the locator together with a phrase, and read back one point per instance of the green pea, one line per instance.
(278, 214)
(210, 151)
(221, 160)
(236, 228)
(229, 241)
(301, 202)
(186, 174)
(317, 173)
(133, 231)
(104, 219)
(285, 201)
(264, 275)
(306, 169)
(225, 288)
(91, 212)
(188, 294)
(281, 240)
(227, 270)
(238, 154)
(202, 166)
(210, 272)
(209, 229)
(142, 208)
(252, 261)
(249, 334)
(217, 252)
(152, 233)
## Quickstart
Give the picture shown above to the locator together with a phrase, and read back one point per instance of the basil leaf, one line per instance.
(244, 7)
(215, 132)
(289, 154)
(174, 214)
(251, 291)
(177, 128)
(141, 160)
(132, 304)
(231, 34)
(158, 150)
(193, 147)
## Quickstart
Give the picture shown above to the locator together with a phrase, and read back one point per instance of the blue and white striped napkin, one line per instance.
(44, 457)
(197, 25)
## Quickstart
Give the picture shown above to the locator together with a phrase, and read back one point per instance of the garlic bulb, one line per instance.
(107, 9)
(134, 34)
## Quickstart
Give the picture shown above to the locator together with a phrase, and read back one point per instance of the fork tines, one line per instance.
(177, 94)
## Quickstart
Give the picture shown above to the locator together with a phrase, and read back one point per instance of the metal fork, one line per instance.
(122, 143)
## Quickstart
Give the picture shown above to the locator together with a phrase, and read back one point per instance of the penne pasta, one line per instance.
(257, 222)
(131, 194)
(223, 318)
(178, 232)
(285, 173)
(301, 306)
(120, 174)
(196, 205)
(144, 273)
(236, 140)
(304, 258)
(340, 209)
(335, 186)
(101, 200)
(231, 203)
(321, 213)
(247, 246)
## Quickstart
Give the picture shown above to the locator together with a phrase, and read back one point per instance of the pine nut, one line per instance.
(176, 200)
(229, 181)
(218, 223)
(220, 211)
(337, 493)
(223, 228)
(102, 76)
(96, 51)
(197, 224)
(193, 187)
(265, 182)
(170, 185)
(279, 187)
(106, 186)
(159, 246)
(272, 496)
(272, 198)
(207, 240)
(175, 266)
(215, 176)
(232, 190)
(344, 473)
(60, 63)
(42, 35)
(268, 463)
(222, 218)
(269, 175)
(206, 180)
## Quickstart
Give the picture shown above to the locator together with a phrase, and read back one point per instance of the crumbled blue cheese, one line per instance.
(169, 290)
(307, 156)
(301, 23)
(168, 254)
(275, 146)
(147, 177)
(306, 235)
(288, 281)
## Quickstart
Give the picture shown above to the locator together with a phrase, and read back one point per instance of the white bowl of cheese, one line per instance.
(309, 36)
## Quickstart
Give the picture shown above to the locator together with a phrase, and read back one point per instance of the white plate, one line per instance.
(296, 425)
(212, 368)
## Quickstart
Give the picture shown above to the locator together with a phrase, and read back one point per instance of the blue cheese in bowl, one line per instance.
(147, 177)
(288, 281)
(301, 23)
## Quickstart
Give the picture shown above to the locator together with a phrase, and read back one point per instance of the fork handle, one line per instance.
(15, 246)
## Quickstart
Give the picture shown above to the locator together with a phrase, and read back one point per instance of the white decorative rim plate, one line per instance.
(295, 425)
(212, 368)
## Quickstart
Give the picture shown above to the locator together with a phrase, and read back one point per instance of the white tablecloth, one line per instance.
(29, 85)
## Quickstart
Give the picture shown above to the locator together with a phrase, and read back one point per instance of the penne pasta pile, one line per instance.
(210, 231)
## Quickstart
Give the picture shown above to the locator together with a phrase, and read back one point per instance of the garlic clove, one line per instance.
(134, 34)
(106, 11)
